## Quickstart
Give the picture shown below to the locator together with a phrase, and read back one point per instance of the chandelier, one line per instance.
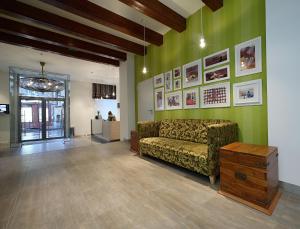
(42, 83)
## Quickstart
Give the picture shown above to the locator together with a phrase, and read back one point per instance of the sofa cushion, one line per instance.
(187, 154)
(188, 130)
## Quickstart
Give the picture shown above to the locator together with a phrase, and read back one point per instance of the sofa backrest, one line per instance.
(194, 130)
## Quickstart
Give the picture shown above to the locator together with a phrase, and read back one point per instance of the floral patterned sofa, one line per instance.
(190, 143)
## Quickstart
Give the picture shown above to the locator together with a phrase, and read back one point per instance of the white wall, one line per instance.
(4, 118)
(82, 107)
(283, 49)
(127, 97)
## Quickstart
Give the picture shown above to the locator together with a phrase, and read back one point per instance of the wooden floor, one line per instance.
(106, 186)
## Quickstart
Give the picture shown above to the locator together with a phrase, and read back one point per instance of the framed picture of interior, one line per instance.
(247, 93)
(173, 100)
(217, 74)
(158, 81)
(168, 81)
(248, 57)
(159, 99)
(177, 84)
(216, 59)
(191, 98)
(192, 74)
(177, 72)
(216, 95)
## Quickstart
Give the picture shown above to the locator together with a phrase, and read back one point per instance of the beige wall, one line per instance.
(4, 118)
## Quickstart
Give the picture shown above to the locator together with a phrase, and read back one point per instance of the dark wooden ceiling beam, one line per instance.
(98, 14)
(32, 14)
(213, 4)
(27, 31)
(159, 12)
(41, 46)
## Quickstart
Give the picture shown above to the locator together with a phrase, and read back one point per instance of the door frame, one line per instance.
(44, 121)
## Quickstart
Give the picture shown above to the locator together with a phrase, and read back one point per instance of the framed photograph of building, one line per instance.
(248, 57)
(173, 100)
(217, 74)
(247, 93)
(191, 98)
(192, 74)
(216, 59)
(158, 81)
(177, 84)
(177, 72)
(168, 81)
(216, 95)
(159, 99)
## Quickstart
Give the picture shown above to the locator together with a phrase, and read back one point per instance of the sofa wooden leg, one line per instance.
(212, 179)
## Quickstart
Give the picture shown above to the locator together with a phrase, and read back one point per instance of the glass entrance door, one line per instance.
(31, 119)
(41, 118)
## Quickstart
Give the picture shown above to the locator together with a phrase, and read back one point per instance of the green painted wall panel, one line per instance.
(236, 22)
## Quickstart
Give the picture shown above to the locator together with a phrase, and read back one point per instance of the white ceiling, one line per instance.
(83, 70)
(79, 70)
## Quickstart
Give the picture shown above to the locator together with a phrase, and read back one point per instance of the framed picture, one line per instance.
(173, 100)
(168, 81)
(177, 72)
(216, 59)
(158, 81)
(217, 95)
(177, 84)
(248, 57)
(159, 99)
(217, 74)
(191, 98)
(192, 74)
(247, 93)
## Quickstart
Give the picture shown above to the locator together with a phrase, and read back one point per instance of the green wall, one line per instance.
(236, 22)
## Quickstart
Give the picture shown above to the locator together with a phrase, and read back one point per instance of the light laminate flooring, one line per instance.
(107, 186)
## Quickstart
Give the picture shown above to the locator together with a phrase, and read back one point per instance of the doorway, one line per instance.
(41, 118)
(145, 100)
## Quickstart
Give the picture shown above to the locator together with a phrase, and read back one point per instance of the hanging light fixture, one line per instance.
(113, 94)
(41, 83)
(144, 71)
(202, 39)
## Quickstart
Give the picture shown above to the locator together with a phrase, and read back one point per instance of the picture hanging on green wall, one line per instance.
(191, 98)
(177, 84)
(216, 59)
(173, 101)
(248, 57)
(216, 95)
(192, 74)
(247, 93)
(177, 72)
(159, 99)
(168, 81)
(159, 80)
(217, 74)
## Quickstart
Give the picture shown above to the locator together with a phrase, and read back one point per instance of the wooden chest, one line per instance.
(249, 174)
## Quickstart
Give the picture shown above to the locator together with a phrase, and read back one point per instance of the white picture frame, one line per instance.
(217, 58)
(159, 80)
(192, 74)
(168, 81)
(177, 84)
(248, 58)
(177, 73)
(215, 95)
(190, 98)
(159, 99)
(247, 93)
(173, 100)
(217, 74)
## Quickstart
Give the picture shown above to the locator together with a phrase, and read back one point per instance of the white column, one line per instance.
(127, 97)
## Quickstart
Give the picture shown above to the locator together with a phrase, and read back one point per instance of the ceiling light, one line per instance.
(41, 83)
(144, 71)
(202, 43)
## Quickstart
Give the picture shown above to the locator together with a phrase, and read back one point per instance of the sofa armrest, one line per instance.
(219, 135)
(148, 129)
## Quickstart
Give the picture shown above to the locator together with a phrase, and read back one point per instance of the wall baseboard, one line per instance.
(295, 189)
